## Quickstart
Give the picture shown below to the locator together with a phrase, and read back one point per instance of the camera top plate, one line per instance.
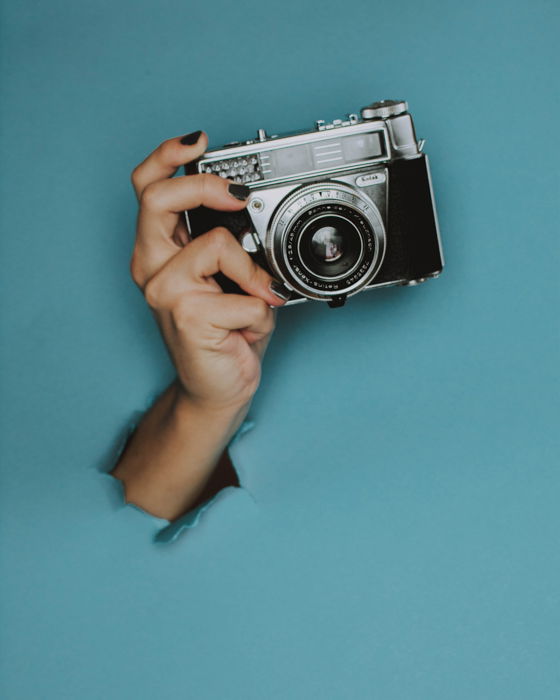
(384, 132)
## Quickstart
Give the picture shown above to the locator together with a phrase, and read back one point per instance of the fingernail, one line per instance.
(191, 139)
(240, 192)
(280, 290)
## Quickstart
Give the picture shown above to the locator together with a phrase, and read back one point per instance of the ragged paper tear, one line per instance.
(169, 531)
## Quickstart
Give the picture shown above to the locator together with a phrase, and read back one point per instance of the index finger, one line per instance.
(164, 161)
(160, 206)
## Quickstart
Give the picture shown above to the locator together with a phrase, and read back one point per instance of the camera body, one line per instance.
(345, 207)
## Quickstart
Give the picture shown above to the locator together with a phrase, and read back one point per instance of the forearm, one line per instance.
(173, 453)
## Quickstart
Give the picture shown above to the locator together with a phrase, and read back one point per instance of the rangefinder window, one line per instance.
(329, 153)
(361, 147)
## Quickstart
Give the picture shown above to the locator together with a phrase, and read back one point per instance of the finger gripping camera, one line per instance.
(345, 207)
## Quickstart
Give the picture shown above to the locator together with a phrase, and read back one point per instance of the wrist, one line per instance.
(220, 419)
(174, 452)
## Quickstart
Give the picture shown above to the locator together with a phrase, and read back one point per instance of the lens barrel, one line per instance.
(325, 240)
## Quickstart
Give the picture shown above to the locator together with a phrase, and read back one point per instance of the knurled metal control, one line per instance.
(241, 169)
(384, 109)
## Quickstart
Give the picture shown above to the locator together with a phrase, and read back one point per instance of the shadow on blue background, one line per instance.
(398, 535)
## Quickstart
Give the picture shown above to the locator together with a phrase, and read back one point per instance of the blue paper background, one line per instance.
(400, 539)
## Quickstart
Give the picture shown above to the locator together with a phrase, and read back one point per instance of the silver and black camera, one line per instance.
(345, 207)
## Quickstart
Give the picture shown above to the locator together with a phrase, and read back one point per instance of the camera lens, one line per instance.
(326, 239)
(330, 246)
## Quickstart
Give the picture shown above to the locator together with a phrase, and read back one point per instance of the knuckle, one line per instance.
(151, 196)
(135, 177)
(261, 310)
(206, 181)
(136, 269)
(153, 293)
(183, 314)
(168, 150)
(255, 273)
(219, 237)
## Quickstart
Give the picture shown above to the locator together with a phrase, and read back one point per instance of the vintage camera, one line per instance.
(345, 207)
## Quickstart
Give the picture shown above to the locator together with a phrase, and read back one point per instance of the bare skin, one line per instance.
(216, 340)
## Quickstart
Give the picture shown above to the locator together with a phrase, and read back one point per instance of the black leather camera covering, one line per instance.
(412, 241)
(412, 249)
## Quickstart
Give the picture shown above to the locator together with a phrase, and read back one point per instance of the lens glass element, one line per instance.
(330, 245)
(326, 244)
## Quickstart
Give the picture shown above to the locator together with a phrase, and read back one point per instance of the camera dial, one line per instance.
(384, 109)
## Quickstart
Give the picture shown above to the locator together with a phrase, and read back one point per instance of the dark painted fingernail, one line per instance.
(191, 139)
(240, 192)
(280, 290)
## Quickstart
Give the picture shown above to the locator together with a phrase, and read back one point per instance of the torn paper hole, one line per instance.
(168, 531)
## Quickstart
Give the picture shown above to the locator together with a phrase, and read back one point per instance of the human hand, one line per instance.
(216, 340)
